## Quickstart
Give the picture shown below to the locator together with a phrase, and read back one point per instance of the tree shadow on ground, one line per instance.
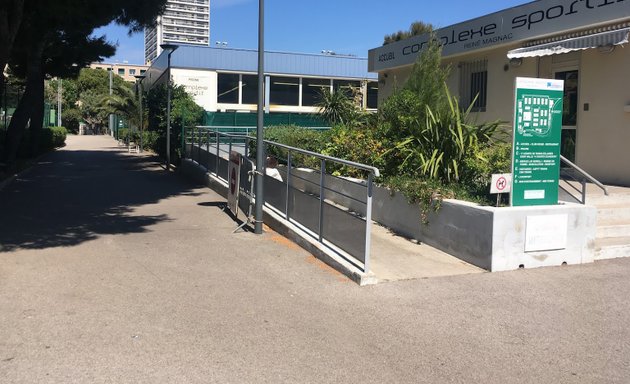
(72, 197)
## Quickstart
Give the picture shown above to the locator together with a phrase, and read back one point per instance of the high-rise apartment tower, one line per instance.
(183, 22)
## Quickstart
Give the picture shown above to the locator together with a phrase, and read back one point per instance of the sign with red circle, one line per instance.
(501, 183)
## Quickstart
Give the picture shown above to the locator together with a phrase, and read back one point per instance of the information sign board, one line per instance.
(536, 144)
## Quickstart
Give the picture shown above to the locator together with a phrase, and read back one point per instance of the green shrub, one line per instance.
(51, 138)
(123, 134)
(479, 167)
(293, 136)
(71, 119)
(59, 135)
(150, 139)
(427, 193)
(437, 147)
(355, 144)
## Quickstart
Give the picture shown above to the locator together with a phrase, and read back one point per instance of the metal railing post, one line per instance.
(216, 168)
(200, 133)
(583, 192)
(192, 144)
(368, 224)
(288, 198)
(208, 150)
(321, 200)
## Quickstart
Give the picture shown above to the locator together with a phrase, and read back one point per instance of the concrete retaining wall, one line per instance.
(491, 238)
(488, 237)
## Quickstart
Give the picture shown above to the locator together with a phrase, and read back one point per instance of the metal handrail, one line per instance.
(247, 129)
(585, 174)
(291, 151)
(365, 167)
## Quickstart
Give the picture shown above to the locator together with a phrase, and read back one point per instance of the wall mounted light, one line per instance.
(516, 62)
(606, 49)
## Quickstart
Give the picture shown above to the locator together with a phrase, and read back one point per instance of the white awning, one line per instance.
(609, 38)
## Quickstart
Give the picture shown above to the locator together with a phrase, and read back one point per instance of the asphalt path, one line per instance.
(113, 270)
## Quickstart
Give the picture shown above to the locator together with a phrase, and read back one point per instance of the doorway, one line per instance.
(569, 112)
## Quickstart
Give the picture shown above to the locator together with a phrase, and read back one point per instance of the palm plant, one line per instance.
(123, 102)
(336, 107)
(437, 148)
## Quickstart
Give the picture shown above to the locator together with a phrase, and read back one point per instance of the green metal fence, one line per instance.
(239, 119)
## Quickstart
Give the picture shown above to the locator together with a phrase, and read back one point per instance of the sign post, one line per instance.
(536, 144)
(234, 181)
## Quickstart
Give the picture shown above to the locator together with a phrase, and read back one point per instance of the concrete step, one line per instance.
(615, 212)
(612, 229)
(612, 247)
(620, 202)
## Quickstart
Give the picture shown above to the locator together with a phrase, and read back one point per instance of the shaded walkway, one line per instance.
(77, 194)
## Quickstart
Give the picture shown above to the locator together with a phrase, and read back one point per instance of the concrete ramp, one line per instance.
(397, 258)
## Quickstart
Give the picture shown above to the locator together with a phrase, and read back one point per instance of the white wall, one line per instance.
(603, 136)
(603, 132)
(202, 85)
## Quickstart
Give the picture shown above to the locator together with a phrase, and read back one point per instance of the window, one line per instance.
(285, 91)
(143, 71)
(312, 89)
(121, 71)
(348, 87)
(474, 85)
(372, 95)
(132, 71)
(250, 89)
(228, 88)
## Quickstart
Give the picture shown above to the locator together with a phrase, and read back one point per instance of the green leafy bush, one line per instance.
(51, 138)
(479, 167)
(71, 119)
(355, 144)
(293, 136)
(437, 148)
(427, 193)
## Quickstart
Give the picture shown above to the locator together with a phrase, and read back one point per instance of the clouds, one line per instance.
(227, 3)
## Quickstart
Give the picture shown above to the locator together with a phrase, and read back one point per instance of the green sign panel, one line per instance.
(536, 146)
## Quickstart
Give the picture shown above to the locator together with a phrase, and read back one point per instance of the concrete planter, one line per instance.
(492, 238)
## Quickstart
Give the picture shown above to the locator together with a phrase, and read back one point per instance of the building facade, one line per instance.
(127, 71)
(226, 80)
(183, 22)
(584, 43)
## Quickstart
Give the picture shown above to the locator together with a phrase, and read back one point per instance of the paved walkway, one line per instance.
(113, 271)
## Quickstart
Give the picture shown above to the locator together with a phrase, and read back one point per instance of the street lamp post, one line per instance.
(5, 84)
(260, 145)
(139, 79)
(111, 92)
(170, 48)
(59, 93)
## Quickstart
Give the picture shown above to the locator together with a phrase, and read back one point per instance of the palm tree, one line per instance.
(336, 107)
(124, 102)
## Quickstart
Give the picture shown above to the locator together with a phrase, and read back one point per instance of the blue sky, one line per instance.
(342, 26)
